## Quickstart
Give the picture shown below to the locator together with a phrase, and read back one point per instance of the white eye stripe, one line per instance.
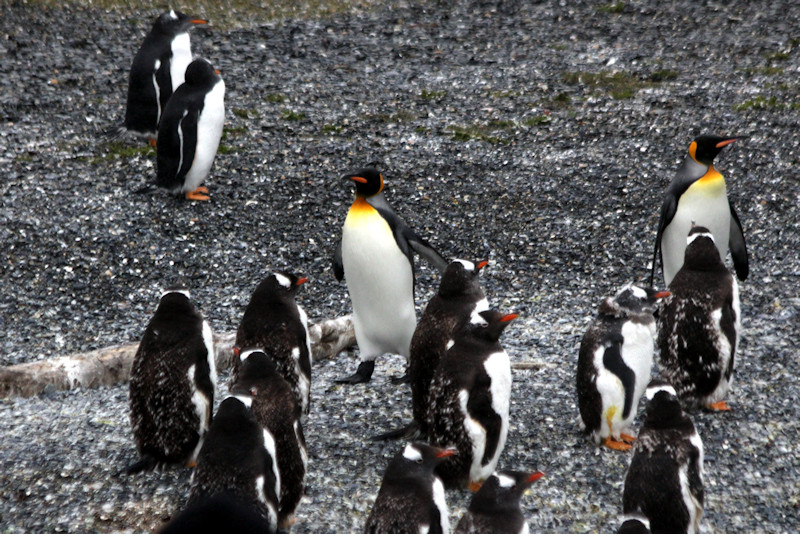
(505, 481)
(184, 292)
(282, 280)
(468, 265)
(691, 238)
(247, 401)
(411, 453)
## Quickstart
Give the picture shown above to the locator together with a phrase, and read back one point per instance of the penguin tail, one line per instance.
(409, 432)
(146, 189)
(114, 133)
(146, 463)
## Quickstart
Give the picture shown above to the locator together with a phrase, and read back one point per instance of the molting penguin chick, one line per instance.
(614, 363)
(495, 507)
(172, 383)
(664, 482)
(375, 256)
(157, 71)
(238, 459)
(469, 399)
(275, 323)
(190, 130)
(698, 195)
(411, 499)
(699, 325)
(276, 409)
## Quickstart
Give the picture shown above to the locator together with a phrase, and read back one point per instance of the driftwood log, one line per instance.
(112, 365)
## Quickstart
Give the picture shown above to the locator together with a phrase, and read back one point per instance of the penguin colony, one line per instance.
(250, 458)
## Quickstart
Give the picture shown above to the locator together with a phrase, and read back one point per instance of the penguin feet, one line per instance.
(201, 193)
(474, 486)
(363, 374)
(720, 406)
(627, 438)
(611, 443)
(286, 524)
(152, 142)
(402, 379)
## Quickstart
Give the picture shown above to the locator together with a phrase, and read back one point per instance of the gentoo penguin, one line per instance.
(699, 325)
(190, 130)
(276, 409)
(697, 195)
(495, 507)
(172, 383)
(157, 71)
(614, 363)
(411, 499)
(218, 513)
(238, 459)
(376, 256)
(634, 524)
(664, 482)
(274, 323)
(469, 398)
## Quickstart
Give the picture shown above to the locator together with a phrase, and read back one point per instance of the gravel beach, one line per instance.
(538, 135)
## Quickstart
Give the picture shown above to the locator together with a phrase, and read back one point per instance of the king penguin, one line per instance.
(495, 508)
(698, 195)
(469, 400)
(276, 324)
(157, 71)
(276, 409)
(699, 325)
(412, 498)
(172, 383)
(190, 130)
(664, 482)
(614, 363)
(376, 256)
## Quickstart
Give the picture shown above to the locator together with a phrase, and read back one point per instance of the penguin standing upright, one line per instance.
(495, 509)
(276, 409)
(376, 256)
(219, 513)
(699, 325)
(469, 400)
(157, 71)
(412, 497)
(190, 130)
(614, 363)
(698, 195)
(172, 383)
(664, 482)
(274, 323)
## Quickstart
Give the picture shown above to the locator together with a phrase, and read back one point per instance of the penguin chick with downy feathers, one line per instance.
(698, 196)
(495, 508)
(375, 255)
(276, 409)
(469, 400)
(276, 324)
(172, 383)
(411, 499)
(614, 363)
(664, 482)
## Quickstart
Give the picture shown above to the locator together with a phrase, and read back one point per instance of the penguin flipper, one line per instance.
(338, 264)
(612, 360)
(479, 406)
(668, 209)
(409, 432)
(737, 246)
(425, 250)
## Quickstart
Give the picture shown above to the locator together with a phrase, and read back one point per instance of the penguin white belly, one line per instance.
(380, 282)
(181, 57)
(637, 353)
(209, 132)
(612, 395)
(498, 367)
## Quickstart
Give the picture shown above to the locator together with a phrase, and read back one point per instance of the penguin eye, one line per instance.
(253, 391)
(418, 460)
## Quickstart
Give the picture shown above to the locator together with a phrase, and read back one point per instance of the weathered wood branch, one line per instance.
(112, 365)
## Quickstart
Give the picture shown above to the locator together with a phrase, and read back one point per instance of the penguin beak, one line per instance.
(444, 453)
(533, 477)
(662, 295)
(509, 317)
(727, 142)
(198, 21)
(301, 281)
(359, 179)
(482, 264)
(237, 351)
(217, 72)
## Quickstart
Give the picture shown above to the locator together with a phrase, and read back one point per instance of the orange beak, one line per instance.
(482, 264)
(444, 453)
(662, 294)
(359, 179)
(198, 21)
(237, 351)
(727, 142)
(509, 317)
(301, 281)
(535, 476)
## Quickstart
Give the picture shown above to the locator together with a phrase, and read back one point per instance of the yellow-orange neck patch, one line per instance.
(693, 150)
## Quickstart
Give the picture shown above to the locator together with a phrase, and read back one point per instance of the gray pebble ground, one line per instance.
(492, 146)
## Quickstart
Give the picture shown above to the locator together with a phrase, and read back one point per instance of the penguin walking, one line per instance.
(172, 383)
(237, 459)
(376, 256)
(698, 195)
(412, 497)
(276, 409)
(190, 130)
(664, 482)
(614, 363)
(157, 70)
(276, 324)
(699, 325)
(469, 399)
(495, 507)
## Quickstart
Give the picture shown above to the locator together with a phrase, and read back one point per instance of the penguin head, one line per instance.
(256, 369)
(174, 22)
(369, 182)
(502, 491)
(280, 285)
(701, 251)
(459, 276)
(664, 408)
(489, 324)
(634, 524)
(201, 73)
(175, 300)
(706, 147)
(634, 299)
(417, 460)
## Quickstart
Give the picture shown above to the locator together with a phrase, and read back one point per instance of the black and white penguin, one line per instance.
(238, 459)
(698, 195)
(614, 363)
(219, 513)
(276, 409)
(172, 383)
(469, 399)
(412, 497)
(664, 482)
(157, 71)
(376, 256)
(274, 323)
(190, 130)
(698, 326)
(634, 524)
(495, 508)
